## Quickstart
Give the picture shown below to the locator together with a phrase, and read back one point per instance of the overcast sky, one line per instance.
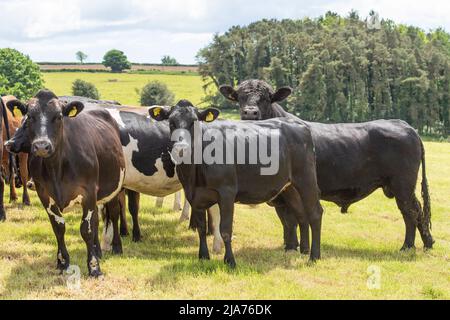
(53, 30)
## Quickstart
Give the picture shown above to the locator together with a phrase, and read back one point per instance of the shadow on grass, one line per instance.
(367, 254)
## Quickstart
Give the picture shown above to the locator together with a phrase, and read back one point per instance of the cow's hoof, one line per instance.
(62, 266)
(137, 238)
(304, 251)
(2, 217)
(124, 233)
(27, 203)
(95, 273)
(230, 262)
(204, 256)
(407, 248)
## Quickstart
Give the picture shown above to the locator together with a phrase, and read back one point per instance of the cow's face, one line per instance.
(44, 123)
(181, 119)
(20, 141)
(255, 98)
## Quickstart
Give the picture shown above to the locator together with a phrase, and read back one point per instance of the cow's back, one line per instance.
(363, 154)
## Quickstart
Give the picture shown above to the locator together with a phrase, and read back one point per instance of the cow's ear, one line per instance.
(208, 115)
(229, 92)
(281, 94)
(17, 107)
(72, 109)
(159, 113)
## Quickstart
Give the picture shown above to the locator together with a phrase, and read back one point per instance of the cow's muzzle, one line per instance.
(250, 113)
(9, 146)
(179, 151)
(42, 148)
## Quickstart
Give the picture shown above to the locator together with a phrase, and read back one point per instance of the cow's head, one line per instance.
(255, 98)
(44, 120)
(20, 141)
(181, 119)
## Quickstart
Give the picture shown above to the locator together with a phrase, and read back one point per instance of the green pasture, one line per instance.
(165, 266)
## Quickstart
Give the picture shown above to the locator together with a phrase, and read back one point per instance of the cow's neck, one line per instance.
(277, 111)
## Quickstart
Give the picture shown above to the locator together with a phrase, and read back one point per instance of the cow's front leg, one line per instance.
(200, 221)
(59, 229)
(226, 206)
(89, 232)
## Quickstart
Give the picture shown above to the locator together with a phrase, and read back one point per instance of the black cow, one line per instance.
(76, 158)
(294, 184)
(353, 160)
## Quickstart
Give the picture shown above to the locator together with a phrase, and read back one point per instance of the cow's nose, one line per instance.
(250, 113)
(42, 148)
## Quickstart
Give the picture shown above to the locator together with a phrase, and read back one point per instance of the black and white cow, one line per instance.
(150, 169)
(353, 160)
(224, 183)
(76, 158)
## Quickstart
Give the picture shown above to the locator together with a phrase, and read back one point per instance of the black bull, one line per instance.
(294, 184)
(353, 160)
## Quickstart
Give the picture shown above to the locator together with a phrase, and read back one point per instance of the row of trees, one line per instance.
(342, 69)
(118, 61)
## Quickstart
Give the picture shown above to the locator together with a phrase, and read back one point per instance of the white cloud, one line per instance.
(53, 30)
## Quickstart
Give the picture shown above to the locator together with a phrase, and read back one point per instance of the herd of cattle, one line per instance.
(79, 151)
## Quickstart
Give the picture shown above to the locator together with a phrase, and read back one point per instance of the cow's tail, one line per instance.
(8, 137)
(425, 192)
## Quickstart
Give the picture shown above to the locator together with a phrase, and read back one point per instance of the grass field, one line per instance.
(122, 86)
(165, 265)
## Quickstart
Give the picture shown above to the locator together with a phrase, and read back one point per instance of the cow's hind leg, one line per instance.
(177, 201)
(114, 211)
(123, 216)
(2, 208)
(23, 166)
(214, 215)
(133, 206)
(424, 228)
(185, 213)
(310, 210)
(12, 188)
(406, 203)
(289, 222)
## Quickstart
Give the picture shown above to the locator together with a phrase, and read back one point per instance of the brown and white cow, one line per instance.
(76, 158)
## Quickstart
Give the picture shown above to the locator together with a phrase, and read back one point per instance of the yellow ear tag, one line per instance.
(156, 111)
(73, 112)
(209, 117)
(16, 112)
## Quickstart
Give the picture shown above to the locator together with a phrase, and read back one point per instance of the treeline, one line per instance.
(342, 69)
